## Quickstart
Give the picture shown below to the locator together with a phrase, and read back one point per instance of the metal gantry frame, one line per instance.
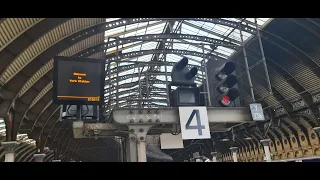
(144, 97)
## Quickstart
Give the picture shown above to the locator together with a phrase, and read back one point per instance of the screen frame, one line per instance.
(56, 60)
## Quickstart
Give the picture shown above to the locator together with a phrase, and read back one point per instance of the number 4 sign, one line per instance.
(194, 123)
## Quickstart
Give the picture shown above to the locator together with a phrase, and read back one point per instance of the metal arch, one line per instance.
(41, 76)
(54, 38)
(291, 53)
(40, 98)
(199, 38)
(285, 128)
(20, 31)
(306, 26)
(63, 145)
(307, 118)
(283, 101)
(301, 119)
(212, 32)
(66, 129)
(70, 146)
(160, 51)
(48, 157)
(88, 32)
(30, 157)
(152, 38)
(309, 61)
(52, 127)
(21, 148)
(124, 77)
(283, 72)
(28, 153)
(135, 65)
(36, 99)
(58, 143)
(45, 108)
(137, 96)
(75, 145)
(36, 31)
(31, 34)
(152, 89)
(292, 124)
(50, 152)
(43, 127)
(219, 21)
(84, 34)
(25, 150)
(153, 52)
(56, 132)
(131, 87)
(39, 58)
(68, 137)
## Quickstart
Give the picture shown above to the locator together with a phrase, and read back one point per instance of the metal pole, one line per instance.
(207, 81)
(109, 75)
(166, 71)
(142, 151)
(147, 84)
(246, 63)
(265, 143)
(263, 57)
(140, 94)
(117, 53)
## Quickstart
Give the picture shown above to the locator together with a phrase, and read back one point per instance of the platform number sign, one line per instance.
(257, 112)
(194, 123)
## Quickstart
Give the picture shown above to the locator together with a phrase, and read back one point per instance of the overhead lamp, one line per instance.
(248, 138)
(225, 139)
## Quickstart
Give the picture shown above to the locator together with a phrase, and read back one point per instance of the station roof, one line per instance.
(28, 45)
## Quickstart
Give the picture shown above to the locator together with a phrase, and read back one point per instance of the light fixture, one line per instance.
(248, 138)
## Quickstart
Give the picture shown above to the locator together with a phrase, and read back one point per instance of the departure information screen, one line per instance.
(78, 80)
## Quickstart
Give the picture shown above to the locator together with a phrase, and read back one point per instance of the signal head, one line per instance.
(181, 64)
(228, 83)
(232, 94)
(225, 70)
(192, 73)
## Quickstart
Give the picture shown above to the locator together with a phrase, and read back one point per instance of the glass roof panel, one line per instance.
(207, 29)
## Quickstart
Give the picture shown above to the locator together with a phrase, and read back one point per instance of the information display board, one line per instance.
(78, 81)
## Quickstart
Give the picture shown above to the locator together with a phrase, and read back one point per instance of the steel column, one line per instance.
(246, 63)
(265, 143)
(10, 148)
(263, 56)
(234, 153)
(207, 80)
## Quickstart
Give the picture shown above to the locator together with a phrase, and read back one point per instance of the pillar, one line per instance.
(214, 156)
(39, 157)
(10, 148)
(234, 153)
(265, 143)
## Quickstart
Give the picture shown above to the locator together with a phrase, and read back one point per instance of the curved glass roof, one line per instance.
(128, 88)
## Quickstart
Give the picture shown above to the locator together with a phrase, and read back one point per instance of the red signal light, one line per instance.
(225, 100)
